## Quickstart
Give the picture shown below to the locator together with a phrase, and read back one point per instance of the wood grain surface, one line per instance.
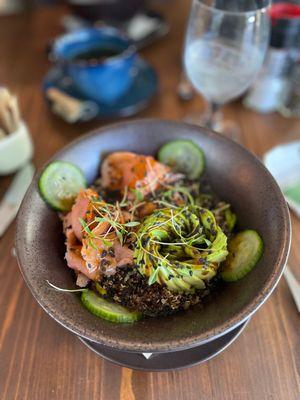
(39, 360)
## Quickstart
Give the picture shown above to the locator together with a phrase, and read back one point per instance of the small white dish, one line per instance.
(283, 162)
(16, 149)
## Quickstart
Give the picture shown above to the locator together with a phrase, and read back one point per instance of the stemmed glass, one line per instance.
(226, 42)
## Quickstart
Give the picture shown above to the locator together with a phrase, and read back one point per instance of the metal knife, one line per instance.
(12, 199)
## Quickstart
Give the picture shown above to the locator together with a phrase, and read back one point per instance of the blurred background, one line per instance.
(146, 21)
(10, 6)
(166, 65)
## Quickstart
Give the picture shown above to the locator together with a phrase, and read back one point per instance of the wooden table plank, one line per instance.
(38, 358)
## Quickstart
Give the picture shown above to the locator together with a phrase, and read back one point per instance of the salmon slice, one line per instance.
(123, 254)
(74, 258)
(98, 256)
(144, 173)
(104, 259)
(88, 254)
(82, 208)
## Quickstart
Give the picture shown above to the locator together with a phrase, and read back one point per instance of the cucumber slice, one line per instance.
(183, 156)
(107, 310)
(60, 183)
(245, 250)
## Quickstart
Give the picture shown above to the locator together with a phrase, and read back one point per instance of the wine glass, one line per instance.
(226, 42)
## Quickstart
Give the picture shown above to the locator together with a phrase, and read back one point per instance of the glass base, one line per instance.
(228, 128)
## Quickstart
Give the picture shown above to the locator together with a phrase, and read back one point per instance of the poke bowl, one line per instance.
(236, 176)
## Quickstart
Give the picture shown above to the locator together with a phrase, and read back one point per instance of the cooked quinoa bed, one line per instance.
(130, 289)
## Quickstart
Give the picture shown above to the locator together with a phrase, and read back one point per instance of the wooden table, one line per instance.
(39, 360)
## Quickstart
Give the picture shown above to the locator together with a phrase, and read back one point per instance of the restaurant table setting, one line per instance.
(101, 27)
(218, 73)
(97, 74)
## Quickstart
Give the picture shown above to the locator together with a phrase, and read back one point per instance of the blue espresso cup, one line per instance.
(100, 62)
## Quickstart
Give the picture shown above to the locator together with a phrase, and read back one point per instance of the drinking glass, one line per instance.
(225, 46)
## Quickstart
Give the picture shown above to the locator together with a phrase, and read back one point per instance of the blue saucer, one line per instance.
(142, 90)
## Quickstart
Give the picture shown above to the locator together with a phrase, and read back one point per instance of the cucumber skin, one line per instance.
(128, 318)
(231, 276)
(161, 154)
(41, 186)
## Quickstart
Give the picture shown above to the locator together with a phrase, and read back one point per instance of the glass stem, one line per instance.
(212, 110)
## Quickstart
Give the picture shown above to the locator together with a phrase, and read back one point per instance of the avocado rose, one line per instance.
(180, 247)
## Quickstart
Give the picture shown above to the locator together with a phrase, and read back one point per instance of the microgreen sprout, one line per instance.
(110, 214)
(66, 290)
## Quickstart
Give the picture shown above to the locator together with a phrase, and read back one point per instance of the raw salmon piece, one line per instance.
(82, 208)
(123, 254)
(84, 253)
(74, 257)
(99, 257)
(121, 169)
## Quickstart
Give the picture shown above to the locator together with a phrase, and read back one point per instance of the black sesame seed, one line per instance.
(111, 252)
(103, 254)
(104, 262)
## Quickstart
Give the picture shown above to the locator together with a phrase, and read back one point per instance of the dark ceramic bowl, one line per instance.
(236, 176)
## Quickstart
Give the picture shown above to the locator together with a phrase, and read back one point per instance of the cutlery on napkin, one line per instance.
(12, 199)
